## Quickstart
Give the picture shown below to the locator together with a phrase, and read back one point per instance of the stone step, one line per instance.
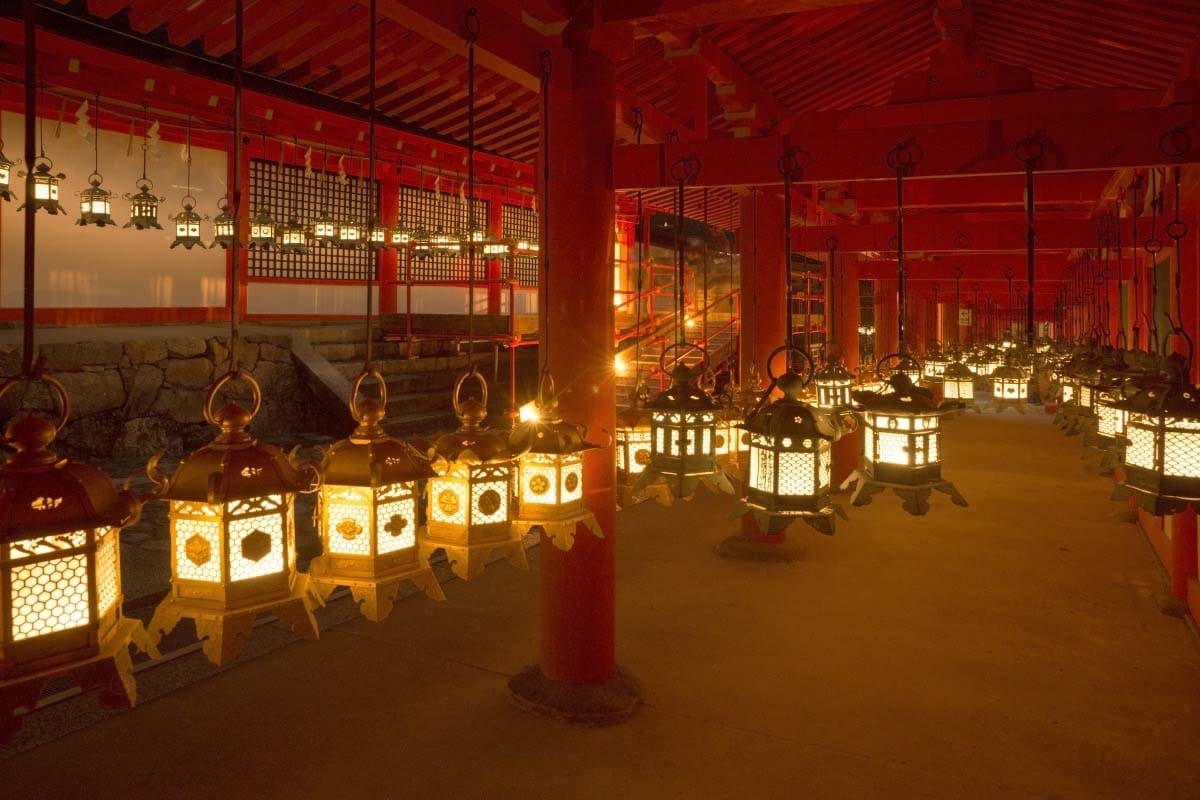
(424, 424)
(399, 366)
(349, 351)
(418, 382)
(400, 405)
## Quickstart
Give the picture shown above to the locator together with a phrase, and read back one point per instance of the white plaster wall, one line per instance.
(453, 300)
(112, 267)
(307, 299)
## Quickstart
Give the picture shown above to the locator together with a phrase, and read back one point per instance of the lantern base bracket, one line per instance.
(999, 405)
(591, 704)
(1155, 504)
(561, 532)
(666, 489)
(915, 497)
(375, 597)
(468, 560)
(110, 672)
(223, 631)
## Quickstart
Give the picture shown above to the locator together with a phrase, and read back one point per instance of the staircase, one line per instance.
(419, 387)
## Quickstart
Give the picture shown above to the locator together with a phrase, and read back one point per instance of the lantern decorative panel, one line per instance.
(44, 191)
(224, 226)
(834, 383)
(791, 459)
(262, 231)
(233, 535)
(683, 432)
(471, 506)
(935, 363)
(60, 571)
(902, 445)
(632, 442)
(550, 472)
(368, 512)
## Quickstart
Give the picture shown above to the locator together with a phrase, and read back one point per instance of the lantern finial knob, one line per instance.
(30, 435)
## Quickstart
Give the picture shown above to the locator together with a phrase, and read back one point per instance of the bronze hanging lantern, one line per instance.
(143, 206)
(791, 456)
(6, 167)
(44, 193)
(550, 471)
(262, 231)
(471, 503)
(958, 384)
(1010, 387)
(833, 383)
(233, 533)
(187, 226)
(60, 570)
(95, 202)
(224, 226)
(368, 512)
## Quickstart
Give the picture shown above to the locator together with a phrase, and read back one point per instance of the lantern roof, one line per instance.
(789, 415)
(369, 457)
(1009, 372)
(1174, 397)
(548, 434)
(958, 371)
(684, 394)
(234, 466)
(905, 398)
(472, 442)
(834, 371)
(42, 494)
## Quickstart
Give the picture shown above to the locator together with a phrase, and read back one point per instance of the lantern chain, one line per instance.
(902, 159)
(638, 233)
(1136, 305)
(471, 24)
(1153, 247)
(372, 221)
(547, 67)
(1030, 151)
(1175, 144)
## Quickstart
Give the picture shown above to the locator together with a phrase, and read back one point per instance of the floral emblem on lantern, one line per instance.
(571, 482)
(349, 529)
(198, 550)
(538, 484)
(396, 525)
(448, 502)
(489, 502)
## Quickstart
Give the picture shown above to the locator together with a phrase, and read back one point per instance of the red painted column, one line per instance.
(578, 586)
(495, 266)
(762, 277)
(887, 317)
(389, 259)
(846, 450)
(1184, 566)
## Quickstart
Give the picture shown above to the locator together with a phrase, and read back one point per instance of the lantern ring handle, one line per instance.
(1175, 143)
(471, 373)
(686, 348)
(64, 400)
(358, 382)
(214, 390)
(1154, 246)
(1177, 229)
(790, 349)
(834, 352)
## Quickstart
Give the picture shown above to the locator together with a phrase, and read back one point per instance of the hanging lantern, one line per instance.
(400, 235)
(958, 384)
(936, 362)
(143, 206)
(791, 458)
(60, 571)
(324, 230)
(262, 231)
(293, 237)
(833, 382)
(95, 204)
(444, 243)
(5, 175)
(351, 235)
(377, 235)
(187, 226)
(224, 226)
(233, 533)
(902, 445)
(422, 244)
(550, 471)
(471, 505)
(683, 431)
(1010, 388)
(368, 512)
(526, 247)
(632, 440)
(1162, 451)
(44, 196)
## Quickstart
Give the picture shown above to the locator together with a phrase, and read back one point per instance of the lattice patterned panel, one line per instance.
(796, 474)
(256, 546)
(273, 186)
(489, 500)
(448, 501)
(1139, 452)
(348, 517)
(425, 209)
(396, 517)
(197, 541)
(762, 465)
(521, 223)
(49, 596)
(1181, 450)
(107, 576)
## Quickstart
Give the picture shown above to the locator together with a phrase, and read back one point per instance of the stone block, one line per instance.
(148, 351)
(143, 389)
(144, 436)
(69, 356)
(93, 392)
(194, 373)
(181, 405)
(186, 346)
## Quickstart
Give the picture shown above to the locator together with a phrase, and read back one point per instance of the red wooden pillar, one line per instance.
(846, 450)
(1184, 567)
(495, 266)
(920, 325)
(887, 317)
(389, 259)
(762, 277)
(577, 587)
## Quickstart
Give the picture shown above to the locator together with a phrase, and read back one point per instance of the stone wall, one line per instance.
(140, 397)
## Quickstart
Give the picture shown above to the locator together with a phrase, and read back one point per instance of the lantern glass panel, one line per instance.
(396, 515)
(347, 519)
(48, 595)
(198, 541)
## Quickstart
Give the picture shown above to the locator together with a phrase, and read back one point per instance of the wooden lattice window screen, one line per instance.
(429, 210)
(522, 223)
(271, 187)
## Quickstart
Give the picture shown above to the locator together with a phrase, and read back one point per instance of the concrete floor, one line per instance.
(1013, 649)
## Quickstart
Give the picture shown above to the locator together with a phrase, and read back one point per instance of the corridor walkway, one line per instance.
(1017, 648)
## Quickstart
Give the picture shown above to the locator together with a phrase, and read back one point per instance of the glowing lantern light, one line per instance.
(143, 206)
(369, 502)
(351, 235)
(471, 507)
(902, 445)
(833, 382)
(233, 533)
(262, 231)
(400, 235)
(60, 571)
(958, 384)
(377, 234)
(224, 226)
(791, 458)
(550, 472)
(936, 362)
(444, 243)
(44, 196)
